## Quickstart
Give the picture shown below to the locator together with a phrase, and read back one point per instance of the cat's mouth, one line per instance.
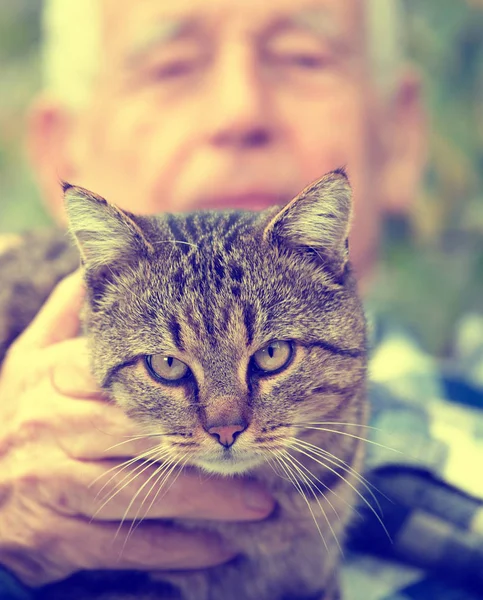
(228, 462)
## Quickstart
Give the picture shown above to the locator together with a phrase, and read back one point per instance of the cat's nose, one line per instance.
(227, 434)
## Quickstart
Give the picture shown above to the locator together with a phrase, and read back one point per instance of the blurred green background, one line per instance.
(432, 263)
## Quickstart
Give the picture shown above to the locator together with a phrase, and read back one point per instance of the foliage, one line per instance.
(433, 266)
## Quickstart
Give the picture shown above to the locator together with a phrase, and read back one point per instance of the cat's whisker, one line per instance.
(109, 496)
(332, 458)
(133, 439)
(169, 487)
(139, 470)
(160, 480)
(297, 466)
(121, 467)
(164, 477)
(298, 423)
(307, 453)
(158, 473)
(280, 458)
(175, 242)
(357, 438)
(274, 469)
(162, 468)
(305, 468)
(273, 466)
(148, 456)
(114, 492)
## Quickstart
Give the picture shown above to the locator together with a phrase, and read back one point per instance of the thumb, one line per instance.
(58, 319)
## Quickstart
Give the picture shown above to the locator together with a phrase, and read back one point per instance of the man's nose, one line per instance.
(241, 115)
(227, 434)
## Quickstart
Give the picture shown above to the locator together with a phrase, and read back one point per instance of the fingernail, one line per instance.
(257, 499)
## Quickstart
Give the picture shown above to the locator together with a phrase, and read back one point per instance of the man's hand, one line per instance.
(60, 445)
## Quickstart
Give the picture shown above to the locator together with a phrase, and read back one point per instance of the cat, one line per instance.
(241, 335)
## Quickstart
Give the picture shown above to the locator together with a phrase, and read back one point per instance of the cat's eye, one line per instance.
(167, 368)
(273, 357)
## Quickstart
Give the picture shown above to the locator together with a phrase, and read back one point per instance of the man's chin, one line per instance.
(228, 464)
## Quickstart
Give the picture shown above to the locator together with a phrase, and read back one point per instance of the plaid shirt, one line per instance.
(429, 479)
(431, 482)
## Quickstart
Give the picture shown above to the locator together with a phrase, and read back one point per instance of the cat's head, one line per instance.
(225, 332)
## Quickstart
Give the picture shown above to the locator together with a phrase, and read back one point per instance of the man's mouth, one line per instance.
(251, 200)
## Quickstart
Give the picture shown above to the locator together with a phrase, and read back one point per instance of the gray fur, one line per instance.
(211, 288)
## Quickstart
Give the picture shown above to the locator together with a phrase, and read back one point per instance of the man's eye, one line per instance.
(174, 69)
(303, 61)
(298, 50)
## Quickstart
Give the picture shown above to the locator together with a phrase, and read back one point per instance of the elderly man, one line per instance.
(178, 106)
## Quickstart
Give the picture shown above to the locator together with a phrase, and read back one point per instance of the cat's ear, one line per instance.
(104, 234)
(317, 220)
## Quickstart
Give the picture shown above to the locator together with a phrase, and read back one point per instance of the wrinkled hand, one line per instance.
(60, 445)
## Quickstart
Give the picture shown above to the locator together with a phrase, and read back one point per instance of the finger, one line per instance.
(58, 319)
(142, 490)
(71, 371)
(148, 547)
(87, 424)
(99, 430)
(152, 546)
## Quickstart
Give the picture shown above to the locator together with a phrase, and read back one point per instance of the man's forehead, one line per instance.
(133, 21)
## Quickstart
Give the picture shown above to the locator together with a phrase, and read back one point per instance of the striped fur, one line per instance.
(210, 289)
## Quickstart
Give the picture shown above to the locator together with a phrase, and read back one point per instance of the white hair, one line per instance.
(72, 34)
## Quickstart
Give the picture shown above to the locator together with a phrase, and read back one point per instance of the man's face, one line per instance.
(230, 103)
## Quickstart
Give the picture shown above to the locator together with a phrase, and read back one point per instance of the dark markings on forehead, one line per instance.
(191, 228)
(249, 320)
(175, 330)
(219, 272)
(194, 262)
(233, 219)
(225, 318)
(179, 279)
(236, 272)
(150, 311)
(209, 321)
(198, 229)
(232, 232)
(178, 233)
(194, 324)
(209, 270)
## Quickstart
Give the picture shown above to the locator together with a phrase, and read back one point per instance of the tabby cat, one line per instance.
(240, 337)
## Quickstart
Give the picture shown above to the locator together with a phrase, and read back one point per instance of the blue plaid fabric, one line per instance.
(11, 589)
(427, 467)
(429, 479)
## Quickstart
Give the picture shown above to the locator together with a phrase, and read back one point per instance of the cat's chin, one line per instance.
(228, 466)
